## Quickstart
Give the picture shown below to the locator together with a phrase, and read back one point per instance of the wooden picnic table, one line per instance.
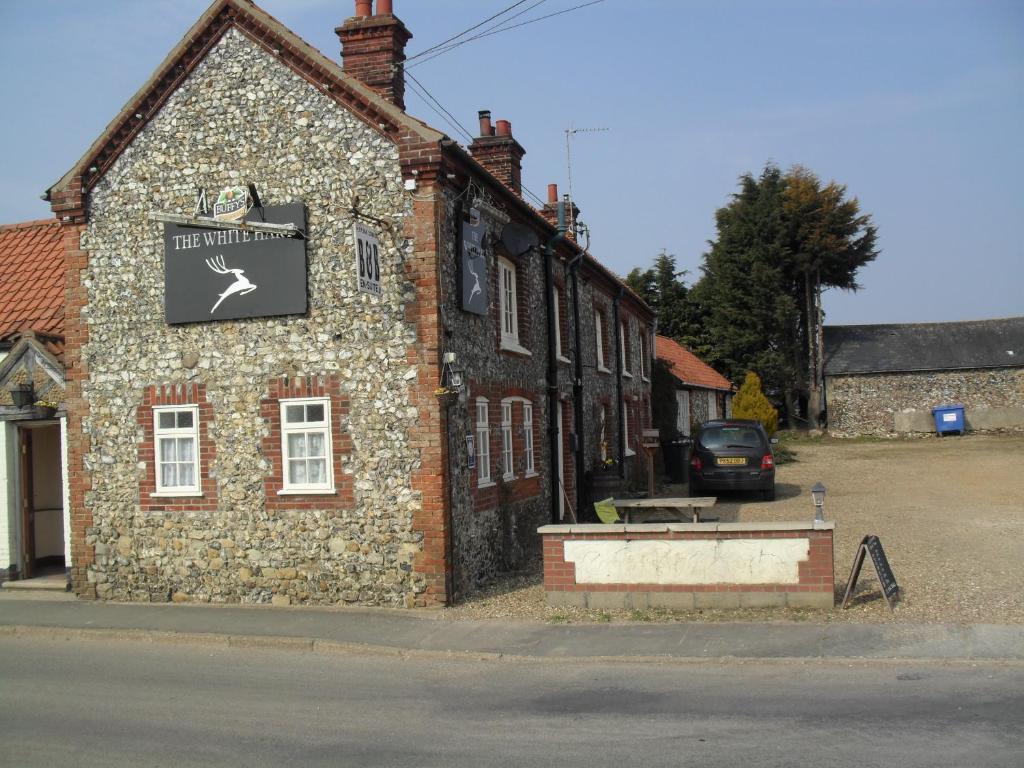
(628, 507)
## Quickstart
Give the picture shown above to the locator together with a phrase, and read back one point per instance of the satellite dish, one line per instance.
(518, 239)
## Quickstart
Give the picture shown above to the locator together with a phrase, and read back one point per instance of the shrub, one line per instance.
(750, 403)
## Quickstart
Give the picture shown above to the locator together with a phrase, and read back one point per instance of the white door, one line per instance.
(712, 405)
(683, 412)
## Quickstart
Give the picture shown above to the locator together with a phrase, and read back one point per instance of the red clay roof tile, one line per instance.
(31, 278)
(687, 367)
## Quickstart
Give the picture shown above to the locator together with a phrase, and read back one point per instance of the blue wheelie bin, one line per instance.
(949, 418)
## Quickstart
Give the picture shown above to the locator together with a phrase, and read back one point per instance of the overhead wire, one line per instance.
(498, 29)
(463, 32)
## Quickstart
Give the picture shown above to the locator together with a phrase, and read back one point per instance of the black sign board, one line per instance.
(224, 274)
(871, 545)
(473, 268)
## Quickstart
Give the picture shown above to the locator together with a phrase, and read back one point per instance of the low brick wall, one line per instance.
(689, 565)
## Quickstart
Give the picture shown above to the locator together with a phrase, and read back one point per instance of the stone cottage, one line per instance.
(885, 379)
(316, 351)
(694, 391)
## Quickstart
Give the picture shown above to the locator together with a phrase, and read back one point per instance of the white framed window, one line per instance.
(644, 373)
(507, 302)
(599, 337)
(528, 438)
(483, 443)
(625, 428)
(556, 301)
(176, 444)
(507, 459)
(306, 446)
(624, 349)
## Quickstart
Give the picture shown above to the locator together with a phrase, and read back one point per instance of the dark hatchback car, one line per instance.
(732, 455)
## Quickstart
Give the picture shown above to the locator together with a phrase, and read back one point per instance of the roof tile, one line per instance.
(687, 367)
(31, 278)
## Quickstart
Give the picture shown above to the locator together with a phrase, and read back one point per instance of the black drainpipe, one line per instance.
(577, 382)
(617, 352)
(553, 404)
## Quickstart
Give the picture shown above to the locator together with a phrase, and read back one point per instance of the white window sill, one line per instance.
(511, 345)
(486, 484)
(508, 478)
(602, 369)
(307, 492)
(564, 359)
(627, 375)
(530, 474)
(644, 378)
(176, 494)
(630, 453)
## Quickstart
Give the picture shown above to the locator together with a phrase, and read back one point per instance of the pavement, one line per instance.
(370, 630)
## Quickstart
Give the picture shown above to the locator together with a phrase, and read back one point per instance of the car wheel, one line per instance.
(769, 494)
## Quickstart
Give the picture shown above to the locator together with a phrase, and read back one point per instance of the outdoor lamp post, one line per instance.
(818, 495)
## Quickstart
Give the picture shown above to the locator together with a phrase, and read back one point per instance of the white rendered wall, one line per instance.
(8, 494)
(699, 561)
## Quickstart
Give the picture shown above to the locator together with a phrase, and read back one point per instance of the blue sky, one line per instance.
(918, 107)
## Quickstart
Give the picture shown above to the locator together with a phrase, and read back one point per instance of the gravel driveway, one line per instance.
(949, 513)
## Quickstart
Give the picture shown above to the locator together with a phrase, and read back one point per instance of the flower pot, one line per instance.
(43, 412)
(21, 395)
(448, 398)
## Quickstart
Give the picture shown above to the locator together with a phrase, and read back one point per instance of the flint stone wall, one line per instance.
(494, 530)
(243, 116)
(895, 403)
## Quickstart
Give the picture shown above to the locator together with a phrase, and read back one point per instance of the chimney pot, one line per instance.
(485, 122)
(552, 193)
(385, 7)
(504, 128)
(364, 8)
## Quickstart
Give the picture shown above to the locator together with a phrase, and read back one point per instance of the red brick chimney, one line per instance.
(550, 211)
(373, 49)
(498, 152)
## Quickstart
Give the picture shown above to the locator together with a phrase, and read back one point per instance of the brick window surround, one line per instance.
(299, 387)
(193, 394)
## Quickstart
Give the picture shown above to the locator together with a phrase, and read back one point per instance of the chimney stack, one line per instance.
(497, 151)
(550, 211)
(373, 49)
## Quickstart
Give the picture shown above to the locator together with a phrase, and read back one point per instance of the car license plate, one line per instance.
(735, 461)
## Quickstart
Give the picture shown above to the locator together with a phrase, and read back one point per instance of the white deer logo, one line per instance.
(241, 286)
(476, 283)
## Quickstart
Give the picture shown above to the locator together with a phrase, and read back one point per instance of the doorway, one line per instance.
(41, 501)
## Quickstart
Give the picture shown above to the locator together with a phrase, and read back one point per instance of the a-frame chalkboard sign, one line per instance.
(890, 589)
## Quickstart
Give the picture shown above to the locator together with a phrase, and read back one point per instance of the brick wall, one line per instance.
(813, 584)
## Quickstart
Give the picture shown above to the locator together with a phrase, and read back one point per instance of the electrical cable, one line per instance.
(475, 26)
(445, 115)
(443, 48)
(453, 46)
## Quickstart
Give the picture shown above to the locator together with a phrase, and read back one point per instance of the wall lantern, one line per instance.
(818, 495)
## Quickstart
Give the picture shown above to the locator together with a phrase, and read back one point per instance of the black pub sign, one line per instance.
(226, 274)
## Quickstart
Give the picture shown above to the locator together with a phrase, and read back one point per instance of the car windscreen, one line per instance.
(731, 437)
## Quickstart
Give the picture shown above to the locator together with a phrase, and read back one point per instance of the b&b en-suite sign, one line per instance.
(226, 274)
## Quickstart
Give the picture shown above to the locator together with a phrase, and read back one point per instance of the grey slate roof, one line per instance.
(924, 346)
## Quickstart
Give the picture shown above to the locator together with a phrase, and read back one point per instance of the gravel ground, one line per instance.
(949, 513)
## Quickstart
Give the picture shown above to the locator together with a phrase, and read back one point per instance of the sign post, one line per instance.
(650, 441)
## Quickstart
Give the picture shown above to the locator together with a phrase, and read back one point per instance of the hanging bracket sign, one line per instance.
(367, 259)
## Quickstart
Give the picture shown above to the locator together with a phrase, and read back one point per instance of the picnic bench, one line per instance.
(681, 508)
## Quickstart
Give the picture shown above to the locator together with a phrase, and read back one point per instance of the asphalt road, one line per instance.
(123, 703)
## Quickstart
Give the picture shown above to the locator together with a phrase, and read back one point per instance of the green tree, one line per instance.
(663, 288)
(750, 403)
(780, 241)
